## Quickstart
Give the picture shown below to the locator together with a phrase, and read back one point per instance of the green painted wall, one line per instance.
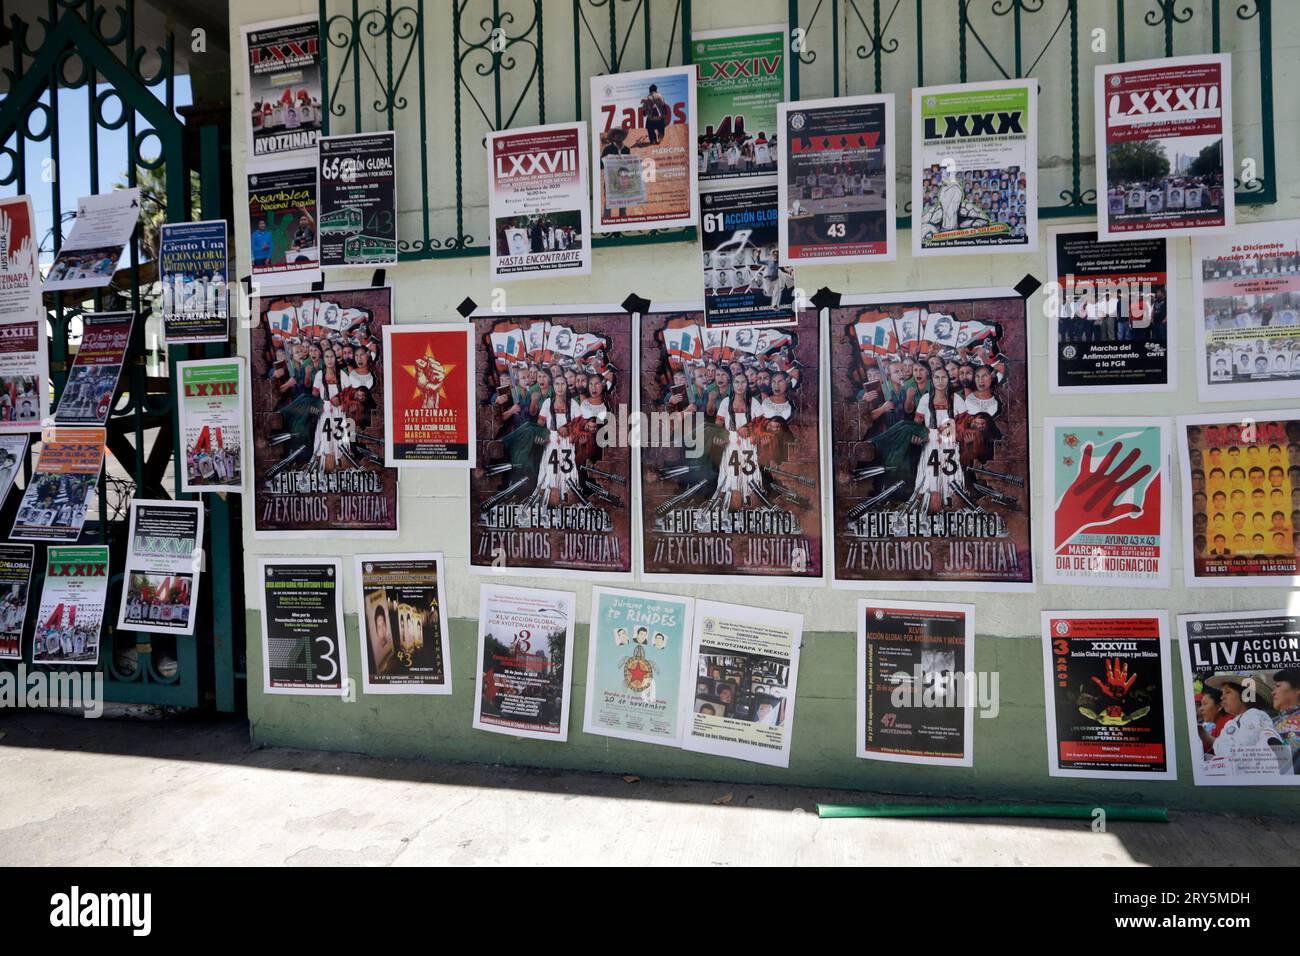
(1010, 749)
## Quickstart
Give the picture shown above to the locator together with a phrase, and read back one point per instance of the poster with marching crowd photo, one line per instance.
(915, 662)
(303, 651)
(744, 280)
(282, 59)
(1241, 682)
(194, 267)
(1247, 312)
(525, 660)
(164, 561)
(318, 415)
(71, 613)
(283, 244)
(929, 398)
(551, 490)
(745, 662)
(975, 168)
(643, 128)
(730, 476)
(741, 79)
(16, 562)
(88, 257)
(211, 410)
(403, 624)
(836, 181)
(62, 486)
(1108, 687)
(357, 192)
(638, 650)
(429, 400)
(1106, 518)
(1164, 145)
(1241, 498)
(24, 386)
(538, 202)
(1113, 303)
(87, 396)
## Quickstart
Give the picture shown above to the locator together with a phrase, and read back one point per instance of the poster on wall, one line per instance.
(975, 168)
(730, 476)
(403, 624)
(24, 387)
(1241, 499)
(87, 396)
(744, 281)
(71, 613)
(929, 397)
(13, 455)
(916, 663)
(638, 651)
(61, 487)
(1247, 312)
(1166, 130)
(194, 267)
(1106, 518)
(525, 655)
(283, 85)
(303, 651)
(429, 400)
(836, 181)
(318, 415)
(1112, 302)
(88, 257)
(745, 662)
(20, 271)
(538, 202)
(357, 192)
(211, 409)
(551, 492)
(1241, 684)
(164, 561)
(643, 127)
(282, 222)
(741, 78)
(16, 561)
(1107, 683)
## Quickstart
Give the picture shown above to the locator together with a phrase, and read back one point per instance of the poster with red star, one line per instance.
(427, 404)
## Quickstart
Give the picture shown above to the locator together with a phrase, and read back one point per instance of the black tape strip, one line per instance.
(466, 308)
(318, 285)
(634, 303)
(826, 299)
(1028, 286)
(248, 285)
(377, 279)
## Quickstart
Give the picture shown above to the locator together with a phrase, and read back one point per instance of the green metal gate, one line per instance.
(84, 56)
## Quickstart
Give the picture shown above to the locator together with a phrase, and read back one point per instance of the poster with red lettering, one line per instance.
(428, 409)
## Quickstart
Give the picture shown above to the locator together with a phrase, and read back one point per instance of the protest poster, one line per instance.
(318, 415)
(1164, 147)
(283, 221)
(730, 472)
(13, 455)
(194, 270)
(1110, 306)
(929, 398)
(1246, 310)
(164, 561)
(303, 651)
(403, 624)
(538, 202)
(1107, 684)
(357, 192)
(87, 396)
(975, 168)
(916, 671)
(744, 280)
(24, 385)
(643, 128)
(71, 612)
(211, 410)
(282, 62)
(62, 486)
(1106, 517)
(16, 562)
(525, 656)
(638, 651)
(745, 662)
(1241, 687)
(741, 79)
(87, 259)
(429, 400)
(550, 494)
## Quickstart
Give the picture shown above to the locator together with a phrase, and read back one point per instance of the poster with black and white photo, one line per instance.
(403, 618)
(71, 614)
(303, 651)
(88, 257)
(16, 562)
(194, 267)
(1113, 304)
(357, 196)
(1241, 684)
(164, 562)
(282, 60)
(744, 280)
(13, 455)
(87, 396)
(742, 78)
(283, 240)
(62, 486)
(24, 366)
(1107, 683)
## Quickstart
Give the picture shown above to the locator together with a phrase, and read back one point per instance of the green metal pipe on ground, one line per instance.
(833, 811)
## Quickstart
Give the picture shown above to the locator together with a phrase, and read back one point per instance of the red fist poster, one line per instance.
(427, 396)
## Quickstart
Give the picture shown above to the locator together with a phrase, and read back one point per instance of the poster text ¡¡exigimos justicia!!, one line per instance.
(551, 490)
(730, 459)
(930, 440)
